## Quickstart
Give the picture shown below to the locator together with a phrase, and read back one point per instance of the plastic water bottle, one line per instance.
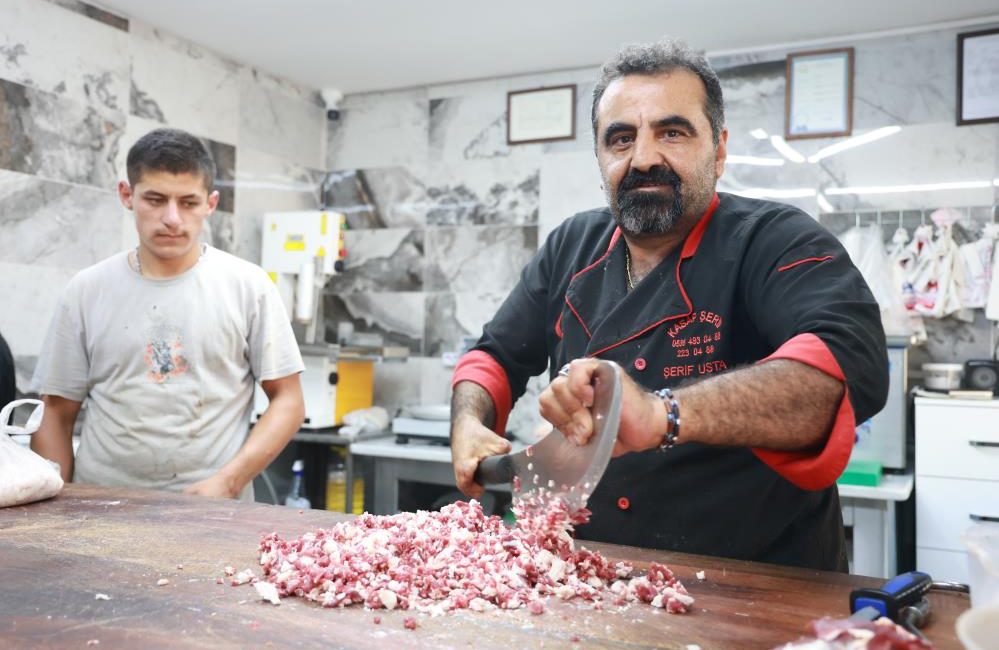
(295, 498)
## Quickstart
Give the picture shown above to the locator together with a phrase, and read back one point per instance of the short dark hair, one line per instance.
(658, 58)
(170, 150)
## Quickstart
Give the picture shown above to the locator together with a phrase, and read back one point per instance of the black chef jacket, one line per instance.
(753, 280)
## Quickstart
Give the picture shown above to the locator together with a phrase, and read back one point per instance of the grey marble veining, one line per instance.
(905, 80)
(282, 124)
(385, 259)
(471, 127)
(54, 224)
(478, 259)
(484, 192)
(220, 231)
(378, 198)
(57, 138)
(44, 46)
(268, 183)
(224, 156)
(378, 130)
(451, 317)
(397, 316)
(95, 13)
(185, 88)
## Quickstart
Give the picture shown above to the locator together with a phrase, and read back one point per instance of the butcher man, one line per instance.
(747, 310)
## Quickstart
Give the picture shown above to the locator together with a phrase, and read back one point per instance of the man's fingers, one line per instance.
(580, 380)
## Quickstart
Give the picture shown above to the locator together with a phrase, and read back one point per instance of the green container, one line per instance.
(861, 472)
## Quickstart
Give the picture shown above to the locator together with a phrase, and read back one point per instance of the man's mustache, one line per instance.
(657, 175)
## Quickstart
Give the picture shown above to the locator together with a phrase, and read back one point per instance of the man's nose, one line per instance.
(171, 217)
(646, 154)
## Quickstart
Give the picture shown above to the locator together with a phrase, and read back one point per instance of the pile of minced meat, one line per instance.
(459, 558)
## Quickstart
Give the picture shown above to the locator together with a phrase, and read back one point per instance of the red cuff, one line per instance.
(815, 470)
(479, 367)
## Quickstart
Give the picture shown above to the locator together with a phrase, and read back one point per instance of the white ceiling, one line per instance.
(363, 45)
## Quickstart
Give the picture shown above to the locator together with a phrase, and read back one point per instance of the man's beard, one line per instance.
(656, 212)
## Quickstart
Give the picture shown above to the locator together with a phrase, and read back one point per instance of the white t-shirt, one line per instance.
(167, 366)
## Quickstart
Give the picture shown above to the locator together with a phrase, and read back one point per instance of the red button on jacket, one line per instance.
(639, 364)
(623, 503)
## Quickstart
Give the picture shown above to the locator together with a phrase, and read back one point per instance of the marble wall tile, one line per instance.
(397, 316)
(220, 231)
(920, 154)
(386, 259)
(452, 317)
(905, 80)
(478, 259)
(31, 293)
(570, 183)
(57, 138)
(282, 124)
(55, 224)
(268, 183)
(389, 197)
(44, 46)
(95, 13)
(484, 192)
(471, 127)
(380, 130)
(190, 89)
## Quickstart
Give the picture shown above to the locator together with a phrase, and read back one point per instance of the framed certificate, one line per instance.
(818, 98)
(978, 77)
(541, 115)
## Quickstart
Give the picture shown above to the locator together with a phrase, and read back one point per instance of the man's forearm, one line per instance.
(471, 399)
(780, 404)
(272, 433)
(54, 438)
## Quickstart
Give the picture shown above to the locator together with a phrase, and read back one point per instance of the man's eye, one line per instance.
(621, 140)
(190, 204)
(673, 133)
(155, 201)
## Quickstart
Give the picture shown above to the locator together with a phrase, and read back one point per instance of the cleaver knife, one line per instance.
(559, 466)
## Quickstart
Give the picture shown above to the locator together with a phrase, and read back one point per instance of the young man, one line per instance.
(165, 342)
(749, 310)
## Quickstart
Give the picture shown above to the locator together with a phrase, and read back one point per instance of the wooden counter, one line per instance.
(55, 556)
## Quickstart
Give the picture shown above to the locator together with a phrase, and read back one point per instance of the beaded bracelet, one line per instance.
(673, 416)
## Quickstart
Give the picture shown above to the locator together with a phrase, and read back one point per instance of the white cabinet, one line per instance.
(957, 479)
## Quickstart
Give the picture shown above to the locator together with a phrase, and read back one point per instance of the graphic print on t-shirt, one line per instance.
(165, 353)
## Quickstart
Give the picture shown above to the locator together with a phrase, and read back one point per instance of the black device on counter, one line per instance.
(981, 374)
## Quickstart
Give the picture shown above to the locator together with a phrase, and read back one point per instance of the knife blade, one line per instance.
(557, 465)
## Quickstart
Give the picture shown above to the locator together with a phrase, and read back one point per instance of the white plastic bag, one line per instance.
(24, 475)
(868, 253)
(367, 420)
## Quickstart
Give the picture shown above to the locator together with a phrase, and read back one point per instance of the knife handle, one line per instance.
(494, 469)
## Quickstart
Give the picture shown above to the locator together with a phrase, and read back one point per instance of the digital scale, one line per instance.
(430, 423)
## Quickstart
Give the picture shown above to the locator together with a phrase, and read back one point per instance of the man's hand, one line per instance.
(216, 485)
(567, 401)
(471, 441)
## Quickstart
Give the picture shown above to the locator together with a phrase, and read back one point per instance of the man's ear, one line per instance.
(721, 153)
(125, 194)
(213, 201)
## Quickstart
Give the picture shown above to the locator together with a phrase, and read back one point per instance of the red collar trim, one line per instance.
(694, 238)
